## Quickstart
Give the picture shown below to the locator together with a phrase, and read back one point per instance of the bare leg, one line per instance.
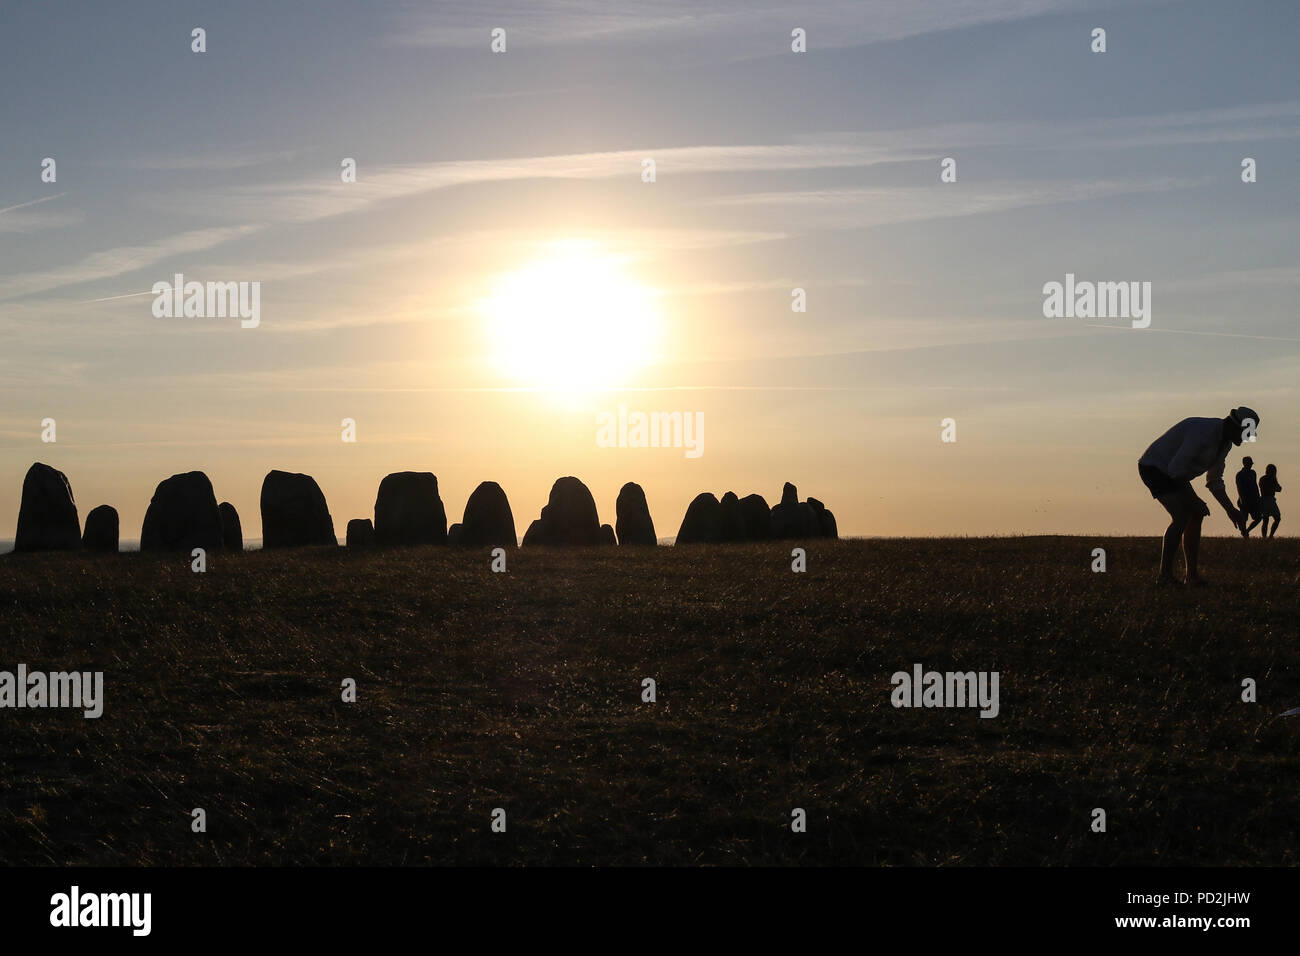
(1170, 547)
(1192, 547)
(1276, 522)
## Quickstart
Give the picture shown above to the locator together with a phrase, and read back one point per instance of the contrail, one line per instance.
(24, 205)
(1231, 335)
(109, 298)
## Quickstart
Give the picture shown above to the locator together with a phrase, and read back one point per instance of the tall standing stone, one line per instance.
(826, 526)
(569, 517)
(731, 519)
(758, 518)
(787, 519)
(47, 515)
(294, 512)
(408, 510)
(633, 522)
(703, 521)
(182, 515)
(488, 521)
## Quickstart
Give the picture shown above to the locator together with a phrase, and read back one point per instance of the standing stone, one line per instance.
(47, 515)
(408, 510)
(633, 522)
(488, 521)
(361, 533)
(731, 519)
(607, 535)
(534, 533)
(101, 530)
(294, 512)
(703, 521)
(809, 526)
(826, 527)
(568, 518)
(787, 520)
(454, 534)
(758, 518)
(182, 515)
(232, 533)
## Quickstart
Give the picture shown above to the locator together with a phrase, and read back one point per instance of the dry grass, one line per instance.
(522, 690)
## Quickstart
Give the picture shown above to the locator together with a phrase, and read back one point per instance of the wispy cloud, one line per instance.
(1259, 121)
(298, 201)
(750, 27)
(809, 210)
(210, 160)
(121, 260)
(284, 202)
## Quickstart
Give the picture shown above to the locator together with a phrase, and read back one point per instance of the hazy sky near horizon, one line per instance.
(774, 170)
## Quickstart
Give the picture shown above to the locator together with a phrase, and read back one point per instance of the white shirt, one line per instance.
(1193, 447)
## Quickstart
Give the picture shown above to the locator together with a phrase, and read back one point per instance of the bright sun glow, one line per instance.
(573, 319)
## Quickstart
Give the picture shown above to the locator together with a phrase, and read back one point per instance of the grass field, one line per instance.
(523, 691)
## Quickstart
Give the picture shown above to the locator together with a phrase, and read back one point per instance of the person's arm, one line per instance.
(1222, 497)
(1214, 481)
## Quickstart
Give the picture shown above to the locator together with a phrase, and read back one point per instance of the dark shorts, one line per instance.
(1176, 497)
(1158, 483)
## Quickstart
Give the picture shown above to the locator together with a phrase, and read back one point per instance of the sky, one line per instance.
(501, 273)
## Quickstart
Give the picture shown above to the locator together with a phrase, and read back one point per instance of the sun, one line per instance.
(574, 319)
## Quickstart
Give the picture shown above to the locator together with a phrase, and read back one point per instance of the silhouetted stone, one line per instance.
(455, 533)
(232, 532)
(810, 527)
(408, 510)
(787, 520)
(182, 515)
(789, 494)
(361, 533)
(826, 526)
(47, 514)
(703, 521)
(632, 517)
(607, 535)
(731, 521)
(807, 519)
(569, 517)
(294, 512)
(488, 521)
(758, 518)
(101, 529)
